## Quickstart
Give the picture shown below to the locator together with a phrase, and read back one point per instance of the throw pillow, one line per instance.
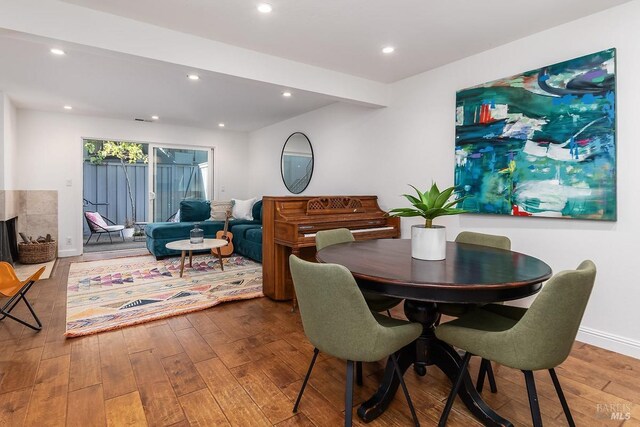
(256, 211)
(219, 210)
(97, 219)
(194, 210)
(242, 208)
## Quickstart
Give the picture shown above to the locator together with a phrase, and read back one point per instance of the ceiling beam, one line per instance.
(75, 24)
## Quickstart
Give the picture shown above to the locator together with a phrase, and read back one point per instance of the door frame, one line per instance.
(212, 177)
(79, 238)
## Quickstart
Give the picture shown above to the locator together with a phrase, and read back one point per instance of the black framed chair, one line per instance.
(100, 225)
(531, 339)
(87, 202)
(11, 286)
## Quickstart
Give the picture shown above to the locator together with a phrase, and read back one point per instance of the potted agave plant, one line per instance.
(428, 241)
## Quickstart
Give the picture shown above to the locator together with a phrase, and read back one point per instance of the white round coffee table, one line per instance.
(186, 245)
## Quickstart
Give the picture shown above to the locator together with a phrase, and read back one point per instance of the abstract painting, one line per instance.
(541, 143)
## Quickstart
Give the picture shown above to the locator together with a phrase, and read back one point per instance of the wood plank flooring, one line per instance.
(242, 364)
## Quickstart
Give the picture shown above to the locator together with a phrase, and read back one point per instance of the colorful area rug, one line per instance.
(111, 294)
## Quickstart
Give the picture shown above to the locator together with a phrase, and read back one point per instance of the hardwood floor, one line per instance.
(242, 364)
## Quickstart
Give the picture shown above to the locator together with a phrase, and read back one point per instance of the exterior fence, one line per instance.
(175, 183)
(106, 185)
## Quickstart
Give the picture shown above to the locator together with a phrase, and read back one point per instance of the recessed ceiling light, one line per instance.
(388, 49)
(193, 77)
(154, 117)
(221, 125)
(57, 51)
(286, 94)
(68, 107)
(264, 8)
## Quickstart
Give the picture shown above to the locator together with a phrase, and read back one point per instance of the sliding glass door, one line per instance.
(179, 174)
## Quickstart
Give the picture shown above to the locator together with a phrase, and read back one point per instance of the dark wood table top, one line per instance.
(470, 273)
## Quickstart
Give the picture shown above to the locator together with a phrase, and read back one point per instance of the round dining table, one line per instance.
(471, 274)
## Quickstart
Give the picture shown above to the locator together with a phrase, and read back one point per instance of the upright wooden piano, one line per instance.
(289, 226)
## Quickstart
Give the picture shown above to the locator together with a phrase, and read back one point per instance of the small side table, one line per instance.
(186, 245)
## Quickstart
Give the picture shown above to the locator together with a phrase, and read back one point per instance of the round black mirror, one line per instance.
(296, 162)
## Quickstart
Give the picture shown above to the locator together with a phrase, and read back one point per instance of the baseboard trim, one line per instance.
(609, 341)
(68, 252)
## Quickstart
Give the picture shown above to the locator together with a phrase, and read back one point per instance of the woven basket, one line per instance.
(36, 253)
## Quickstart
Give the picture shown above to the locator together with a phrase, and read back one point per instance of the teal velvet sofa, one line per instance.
(247, 235)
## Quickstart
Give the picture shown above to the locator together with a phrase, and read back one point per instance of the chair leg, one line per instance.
(486, 370)
(404, 389)
(492, 378)
(110, 238)
(33, 313)
(13, 301)
(359, 373)
(90, 236)
(99, 236)
(306, 379)
(533, 399)
(482, 373)
(563, 401)
(454, 390)
(348, 396)
(122, 234)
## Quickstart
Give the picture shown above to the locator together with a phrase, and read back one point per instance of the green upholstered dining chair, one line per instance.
(527, 339)
(457, 310)
(473, 238)
(337, 321)
(376, 302)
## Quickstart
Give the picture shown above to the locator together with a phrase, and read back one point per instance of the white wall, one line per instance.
(2, 154)
(59, 21)
(342, 161)
(50, 155)
(7, 143)
(361, 151)
(9, 149)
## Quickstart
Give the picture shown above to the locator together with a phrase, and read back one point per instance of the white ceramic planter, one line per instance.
(428, 243)
(127, 233)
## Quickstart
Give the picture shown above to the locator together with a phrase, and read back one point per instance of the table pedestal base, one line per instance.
(428, 350)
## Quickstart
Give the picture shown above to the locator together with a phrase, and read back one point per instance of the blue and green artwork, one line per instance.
(541, 143)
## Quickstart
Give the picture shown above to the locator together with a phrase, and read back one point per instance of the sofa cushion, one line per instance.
(194, 210)
(254, 235)
(240, 231)
(249, 249)
(180, 230)
(247, 240)
(256, 211)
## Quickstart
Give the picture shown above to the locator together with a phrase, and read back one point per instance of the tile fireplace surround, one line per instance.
(36, 211)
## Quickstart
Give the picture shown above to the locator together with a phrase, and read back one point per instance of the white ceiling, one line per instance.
(347, 35)
(102, 83)
(333, 35)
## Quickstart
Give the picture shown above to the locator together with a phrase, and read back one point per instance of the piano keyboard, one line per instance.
(360, 230)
